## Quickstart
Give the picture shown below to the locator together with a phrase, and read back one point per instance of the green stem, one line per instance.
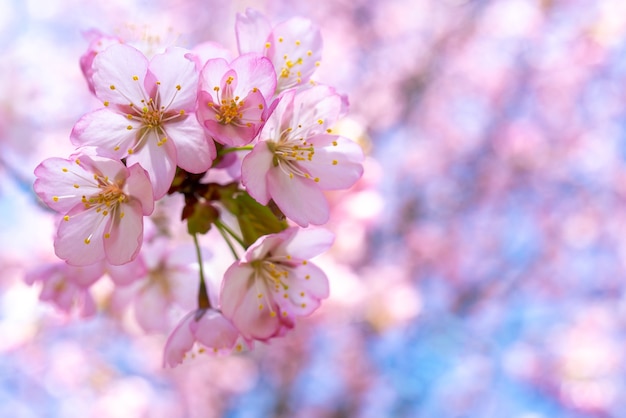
(232, 233)
(227, 239)
(234, 149)
(203, 294)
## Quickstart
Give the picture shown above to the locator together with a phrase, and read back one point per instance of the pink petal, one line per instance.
(87, 304)
(337, 162)
(215, 332)
(40, 272)
(211, 76)
(177, 78)
(138, 187)
(56, 183)
(84, 276)
(298, 198)
(252, 30)
(281, 118)
(299, 29)
(119, 73)
(307, 286)
(179, 342)
(80, 239)
(254, 71)
(297, 302)
(195, 153)
(158, 161)
(311, 279)
(127, 273)
(304, 244)
(113, 169)
(299, 39)
(237, 279)
(240, 303)
(254, 171)
(254, 110)
(57, 289)
(317, 104)
(106, 130)
(151, 308)
(126, 233)
(228, 83)
(262, 246)
(230, 135)
(98, 43)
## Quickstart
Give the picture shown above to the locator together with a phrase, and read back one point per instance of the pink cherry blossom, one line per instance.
(66, 286)
(232, 103)
(103, 203)
(293, 46)
(148, 115)
(208, 327)
(128, 273)
(297, 156)
(274, 283)
(171, 280)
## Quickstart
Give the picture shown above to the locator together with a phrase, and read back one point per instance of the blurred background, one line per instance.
(480, 264)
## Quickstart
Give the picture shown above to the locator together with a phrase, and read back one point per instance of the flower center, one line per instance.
(106, 200)
(290, 153)
(228, 108)
(151, 115)
(270, 279)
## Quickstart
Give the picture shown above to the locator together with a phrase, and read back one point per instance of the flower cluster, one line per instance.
(166, 123)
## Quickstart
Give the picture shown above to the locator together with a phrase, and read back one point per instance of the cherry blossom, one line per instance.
(67, 286)
(274, 282)
(232, 97)
(102, 202)
(170, 281)
(298, 156)
(293, 46)
(148, 115)
(208, 327)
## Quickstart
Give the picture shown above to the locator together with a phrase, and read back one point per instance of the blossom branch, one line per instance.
(225, 151)
(203, 295)
(226, 231)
